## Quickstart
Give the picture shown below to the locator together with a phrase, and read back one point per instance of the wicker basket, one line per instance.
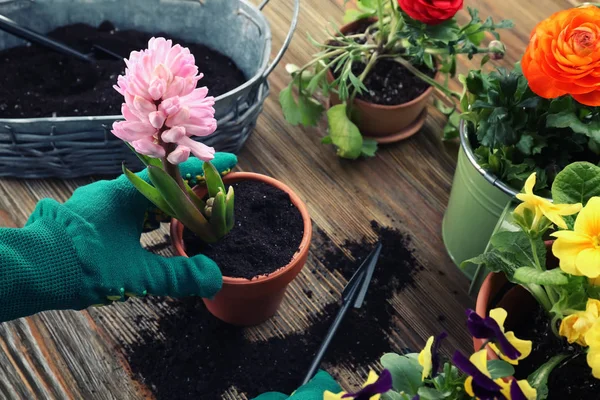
(72, 147)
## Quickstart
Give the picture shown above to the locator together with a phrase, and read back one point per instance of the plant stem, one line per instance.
(541, 296)
(363, 75)
(171, 169)
(380, 17)
(445, 91)
(549, 290)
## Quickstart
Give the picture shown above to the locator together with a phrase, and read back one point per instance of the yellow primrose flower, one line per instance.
(593, 360)
(592, 338)
(425, 358)
(542, 207)
(579, 250)
(523, 346)
(576, 326)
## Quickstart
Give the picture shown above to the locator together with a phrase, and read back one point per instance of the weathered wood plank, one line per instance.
(72, 355)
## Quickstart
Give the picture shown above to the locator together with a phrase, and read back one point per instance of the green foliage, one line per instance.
(539, 378)
(343, 133)
(577, 183)
(343, 62)
(515, 132)
(407, 383)
(500, 369)
(209, 220)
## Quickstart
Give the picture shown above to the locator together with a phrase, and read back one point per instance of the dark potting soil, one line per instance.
(267, 233)
(573, 378)
(389, 83)
(36, 82)
(201, 357)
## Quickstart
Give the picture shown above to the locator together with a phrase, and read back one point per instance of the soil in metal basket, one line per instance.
(38, 83)
(267, 233)
(571, 380)
(192, 355)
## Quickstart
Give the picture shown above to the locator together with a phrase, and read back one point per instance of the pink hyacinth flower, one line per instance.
(159, 87)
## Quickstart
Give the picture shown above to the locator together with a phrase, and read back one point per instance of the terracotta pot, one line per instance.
(380, 121)
(497, 291)
(247, 302)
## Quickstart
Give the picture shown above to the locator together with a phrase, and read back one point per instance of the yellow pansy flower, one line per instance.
(593, 360)
(523, 346)
(529, 392)
(575, 326)
(541, 207)
(425, 359)
(579, 250)
(592, 338)
(382, 385)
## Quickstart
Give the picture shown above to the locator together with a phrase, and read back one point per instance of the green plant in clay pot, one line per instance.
(545, 261)
(380, 70)
(538, 117)
(164, 109)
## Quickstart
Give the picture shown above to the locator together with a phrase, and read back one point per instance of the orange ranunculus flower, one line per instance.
(563, 56)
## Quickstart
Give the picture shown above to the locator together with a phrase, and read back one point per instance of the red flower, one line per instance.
(431, 12)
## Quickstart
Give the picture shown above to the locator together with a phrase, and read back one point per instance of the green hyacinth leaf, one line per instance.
(214, 182)
(229, 214)
(218, 219)
(198, 202)
(184, 209)
(149, 192)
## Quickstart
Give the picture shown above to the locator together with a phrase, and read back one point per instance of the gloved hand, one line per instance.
(87, 252)
(313, 390)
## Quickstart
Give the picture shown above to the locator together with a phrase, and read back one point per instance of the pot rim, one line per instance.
(410, 103)
(298, 203)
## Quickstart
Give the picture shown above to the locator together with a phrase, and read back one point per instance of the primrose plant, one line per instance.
(419, 35)
(163, 111)
(569, 292)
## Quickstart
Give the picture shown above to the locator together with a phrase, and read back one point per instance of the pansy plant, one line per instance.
(569, 293)
(425, 376)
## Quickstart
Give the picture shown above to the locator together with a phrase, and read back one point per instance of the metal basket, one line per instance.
(70, 147)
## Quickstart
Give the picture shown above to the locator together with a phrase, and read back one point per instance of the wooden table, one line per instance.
(74, 355)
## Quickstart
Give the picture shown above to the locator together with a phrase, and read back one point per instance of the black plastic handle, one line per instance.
(15, 29)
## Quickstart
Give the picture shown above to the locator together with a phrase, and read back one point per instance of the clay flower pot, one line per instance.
(383, 123)
(497, 291)
(247, 302)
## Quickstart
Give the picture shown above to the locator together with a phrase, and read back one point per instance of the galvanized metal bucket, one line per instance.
(71, 147)
(477, 201)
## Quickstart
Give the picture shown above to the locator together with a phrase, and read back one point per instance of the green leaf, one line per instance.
(291, 111)
(392, 395)
(474, 34)
(500, 369)
(198, 202)
(230, 212)
(406, 372)
(577, 183)
(519, 245)
(369, 148)
(214, 182)
(218, 218)
(527, 275)
(149, 192)
(327, 140)
(428, 393)
(344, 134)
(568, 119)
(311, 111)
(185, 211)
(539, 379)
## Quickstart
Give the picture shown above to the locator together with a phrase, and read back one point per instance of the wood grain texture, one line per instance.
(73, 355)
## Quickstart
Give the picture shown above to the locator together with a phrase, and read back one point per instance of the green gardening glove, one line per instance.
(313, 390)
(87, 252)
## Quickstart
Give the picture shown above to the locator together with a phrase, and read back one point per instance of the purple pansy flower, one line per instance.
(488, 328)
(382, 385)
(483, 386)
(515, 391)
(435, 349)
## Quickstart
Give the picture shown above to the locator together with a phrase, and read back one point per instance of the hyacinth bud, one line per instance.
(497, 50)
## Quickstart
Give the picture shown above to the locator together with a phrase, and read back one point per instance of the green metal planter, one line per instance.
(477, 201)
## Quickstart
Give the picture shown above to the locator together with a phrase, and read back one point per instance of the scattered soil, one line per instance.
(571, 380)
(389, 83)
(267, 233)
(36, 82)
(201, 357)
